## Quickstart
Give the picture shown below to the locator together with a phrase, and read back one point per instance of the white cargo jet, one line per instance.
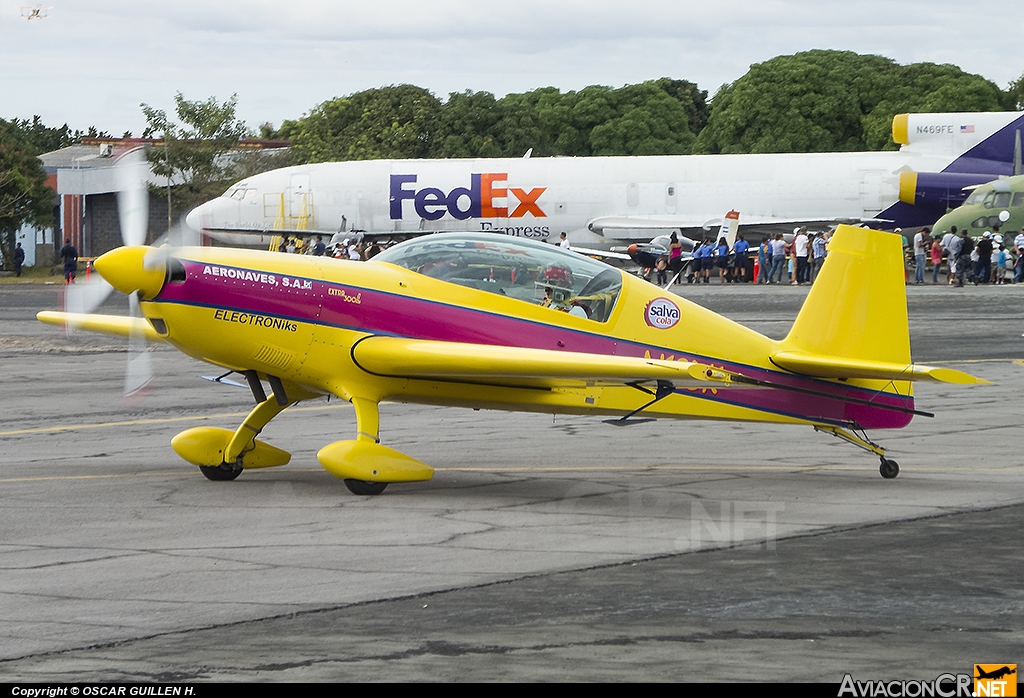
(601, 200)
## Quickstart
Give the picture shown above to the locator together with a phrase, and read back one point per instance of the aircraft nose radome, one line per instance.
(194, 219)
(123, 269)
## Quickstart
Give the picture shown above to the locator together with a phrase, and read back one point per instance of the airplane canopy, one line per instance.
(523, 269)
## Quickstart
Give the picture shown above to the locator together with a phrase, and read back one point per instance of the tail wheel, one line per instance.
(221, 472)
(889, 469)
(365, 488)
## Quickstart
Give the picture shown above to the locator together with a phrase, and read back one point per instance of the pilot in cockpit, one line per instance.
(555, 283)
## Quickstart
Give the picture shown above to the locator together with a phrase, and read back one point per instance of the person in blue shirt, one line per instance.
(19, 259)
(764, 259)
(69, 253)
(722, 258)
(740, 251)
(818, 251)
(707, 260)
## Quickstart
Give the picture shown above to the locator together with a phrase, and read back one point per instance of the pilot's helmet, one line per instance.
(557, 275)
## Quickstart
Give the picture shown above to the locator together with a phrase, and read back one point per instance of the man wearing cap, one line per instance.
(983, 267)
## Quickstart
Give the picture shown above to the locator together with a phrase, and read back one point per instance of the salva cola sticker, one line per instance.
(661, 313)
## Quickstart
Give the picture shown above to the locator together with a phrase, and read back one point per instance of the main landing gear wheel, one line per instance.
(221, 472)
(889, 469)
(362, 487)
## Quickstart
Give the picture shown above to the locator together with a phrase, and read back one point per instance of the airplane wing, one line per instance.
(641, 227)
(432, 360)
(116, 325)
(604, 254)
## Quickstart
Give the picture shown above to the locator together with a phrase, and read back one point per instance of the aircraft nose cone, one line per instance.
(194, 219)
(125, 270)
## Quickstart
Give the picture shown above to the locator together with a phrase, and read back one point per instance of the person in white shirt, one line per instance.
(564, 242)
(800, 250)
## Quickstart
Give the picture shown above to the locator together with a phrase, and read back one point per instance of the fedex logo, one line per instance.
(482, 199)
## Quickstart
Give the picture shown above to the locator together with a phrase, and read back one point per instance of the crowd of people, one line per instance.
(988, 260)
(796, 261)
(350, 248)
(991, 259)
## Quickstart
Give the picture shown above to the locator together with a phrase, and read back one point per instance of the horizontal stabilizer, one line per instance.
(425, 359)
(840, 367)
(116, 325)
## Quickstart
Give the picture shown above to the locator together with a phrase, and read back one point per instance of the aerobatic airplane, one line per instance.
(603, 200)
(483, 320)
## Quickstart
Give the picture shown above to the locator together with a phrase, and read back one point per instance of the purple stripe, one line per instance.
(377, 312)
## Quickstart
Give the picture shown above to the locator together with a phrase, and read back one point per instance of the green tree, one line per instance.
(792, 104)
(468, 127)
(647, 121)
(644, 119)
(693, 99)
(1015, 94)
(522, 125)
(24, 196)
(404, 121)
(192, 154)
(820, 101)
(398, 121)
(40, 138)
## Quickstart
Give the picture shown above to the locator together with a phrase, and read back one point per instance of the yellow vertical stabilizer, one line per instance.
(857, 308)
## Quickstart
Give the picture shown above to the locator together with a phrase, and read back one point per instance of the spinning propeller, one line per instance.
(131, 174)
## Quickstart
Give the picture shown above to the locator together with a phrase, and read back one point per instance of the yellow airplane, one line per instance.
(490, 321)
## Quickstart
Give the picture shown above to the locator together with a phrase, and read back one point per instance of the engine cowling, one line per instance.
(938, 189)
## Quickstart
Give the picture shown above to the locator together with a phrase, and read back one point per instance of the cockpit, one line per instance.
(522, 269)
(996, 199)
(238, 193)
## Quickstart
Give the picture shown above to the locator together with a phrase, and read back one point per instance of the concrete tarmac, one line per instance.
(544, 549)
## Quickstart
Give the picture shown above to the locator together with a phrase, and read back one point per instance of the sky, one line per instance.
(92, 62)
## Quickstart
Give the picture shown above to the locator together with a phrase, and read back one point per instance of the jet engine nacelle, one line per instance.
(938, 189)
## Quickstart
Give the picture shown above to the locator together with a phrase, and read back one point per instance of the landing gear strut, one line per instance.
(888, 468)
